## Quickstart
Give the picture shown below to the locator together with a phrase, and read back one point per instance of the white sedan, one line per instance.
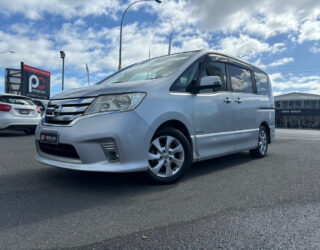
(18, 113)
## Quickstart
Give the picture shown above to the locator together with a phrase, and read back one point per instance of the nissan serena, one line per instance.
(159, 116)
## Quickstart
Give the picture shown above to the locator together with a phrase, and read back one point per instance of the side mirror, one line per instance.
(210, 82)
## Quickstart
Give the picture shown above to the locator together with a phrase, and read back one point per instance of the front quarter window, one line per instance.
(182, 84)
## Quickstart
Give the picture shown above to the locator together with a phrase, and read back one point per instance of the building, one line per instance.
(297, 110)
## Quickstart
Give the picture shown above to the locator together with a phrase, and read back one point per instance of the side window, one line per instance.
(262, 83)
(215, 69)
(183, 83)
(241, 79)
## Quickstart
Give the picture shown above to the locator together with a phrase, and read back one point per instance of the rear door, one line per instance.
(214, 112)
(246, 104)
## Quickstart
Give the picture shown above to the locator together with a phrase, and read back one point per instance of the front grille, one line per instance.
(61, 150)
(65, 111)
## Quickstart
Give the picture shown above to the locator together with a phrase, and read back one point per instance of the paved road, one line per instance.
(229, 202)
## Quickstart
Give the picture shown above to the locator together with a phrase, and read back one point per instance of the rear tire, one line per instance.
(261, 150)
(169, 156)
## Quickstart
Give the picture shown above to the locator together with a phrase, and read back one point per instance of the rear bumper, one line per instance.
(19, 123)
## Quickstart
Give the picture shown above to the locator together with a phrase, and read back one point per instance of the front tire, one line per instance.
(169, 156)
(262, 148)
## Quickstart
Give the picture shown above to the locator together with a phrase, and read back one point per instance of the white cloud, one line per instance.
(315, 50)
(248, 47)
(35, 9)
(70, 82)
(264, 19)
(310, 31)
(308, 84)
(281, 61)
(276, 76)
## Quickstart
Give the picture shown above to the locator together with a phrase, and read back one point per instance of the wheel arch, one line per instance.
(178, 125)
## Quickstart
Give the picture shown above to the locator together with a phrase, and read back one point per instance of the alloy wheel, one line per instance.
(263, 142)
(166, 156)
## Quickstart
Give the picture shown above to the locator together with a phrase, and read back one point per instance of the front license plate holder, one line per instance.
(49, 137)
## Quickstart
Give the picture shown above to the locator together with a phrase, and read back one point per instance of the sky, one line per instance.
(282, 37)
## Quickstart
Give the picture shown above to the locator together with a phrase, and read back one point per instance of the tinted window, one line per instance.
(284, 104)
(307, 104)
(291, 104)
(215, 69)
(183, 83)
(16, 100)
(240, 79)
(297, 104)
(262, 83)
(277, 104)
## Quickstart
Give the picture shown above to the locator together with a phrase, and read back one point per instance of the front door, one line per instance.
(213, 115)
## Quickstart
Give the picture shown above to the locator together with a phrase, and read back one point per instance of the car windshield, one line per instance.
(151, 69)
(16, 100)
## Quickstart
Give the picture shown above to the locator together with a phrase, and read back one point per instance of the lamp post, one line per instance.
(120, 45)
(7, 51)
(62, 55)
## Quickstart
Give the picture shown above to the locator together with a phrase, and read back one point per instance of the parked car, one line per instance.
(159, 116)
(18, 113)
(42, 104)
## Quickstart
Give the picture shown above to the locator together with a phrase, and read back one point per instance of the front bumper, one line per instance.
(127, 129)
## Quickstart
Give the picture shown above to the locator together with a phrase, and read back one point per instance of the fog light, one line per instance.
(110, 150)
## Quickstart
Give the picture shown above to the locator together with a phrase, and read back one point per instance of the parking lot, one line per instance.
(229, 202)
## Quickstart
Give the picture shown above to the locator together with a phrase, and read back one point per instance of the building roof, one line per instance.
(297, 96)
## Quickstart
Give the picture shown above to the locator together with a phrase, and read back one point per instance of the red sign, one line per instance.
(36, 82)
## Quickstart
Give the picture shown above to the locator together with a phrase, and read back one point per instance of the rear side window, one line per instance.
(241, 79)
(262, 83)
(15, 100)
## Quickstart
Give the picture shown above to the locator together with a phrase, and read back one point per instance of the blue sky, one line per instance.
(283, 37)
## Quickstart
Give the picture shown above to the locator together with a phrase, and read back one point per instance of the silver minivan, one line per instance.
(159, 116)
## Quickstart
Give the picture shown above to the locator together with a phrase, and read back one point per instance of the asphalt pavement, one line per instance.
(230, 202)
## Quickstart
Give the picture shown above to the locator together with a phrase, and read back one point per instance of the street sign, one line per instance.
(35, 82)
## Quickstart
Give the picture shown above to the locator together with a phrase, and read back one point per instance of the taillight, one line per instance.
(5, 107)
(38, 110)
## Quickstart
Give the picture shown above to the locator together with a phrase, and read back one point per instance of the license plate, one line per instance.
(24, 111)
(49, 137)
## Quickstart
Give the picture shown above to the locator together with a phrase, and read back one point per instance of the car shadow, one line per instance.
(44, 192)
(216, 164)
(11, 133)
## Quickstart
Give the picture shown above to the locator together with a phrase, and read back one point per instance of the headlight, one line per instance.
(120, 102)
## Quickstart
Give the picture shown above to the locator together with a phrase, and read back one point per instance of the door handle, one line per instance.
(227, 100)
(238, 100)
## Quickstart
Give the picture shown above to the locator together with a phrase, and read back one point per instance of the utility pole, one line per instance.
(62, 55)
(88, 74)
(170, 43)
(124, 13)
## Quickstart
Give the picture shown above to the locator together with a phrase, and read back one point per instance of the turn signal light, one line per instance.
(5, 107)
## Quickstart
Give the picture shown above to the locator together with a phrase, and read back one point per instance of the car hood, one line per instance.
(97, 90)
